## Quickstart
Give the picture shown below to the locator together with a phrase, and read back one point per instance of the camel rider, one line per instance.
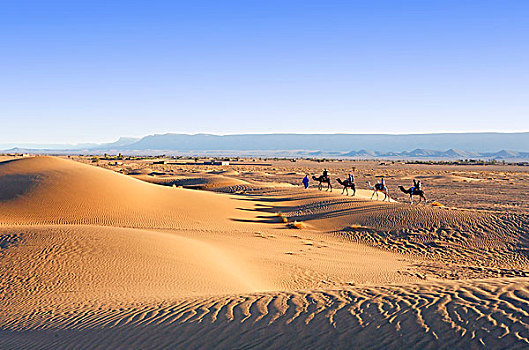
(383, 182)
(351, 178)
(325, 174)
(416, 185)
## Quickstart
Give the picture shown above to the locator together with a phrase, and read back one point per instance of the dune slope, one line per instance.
(53, 264)
(47, 190)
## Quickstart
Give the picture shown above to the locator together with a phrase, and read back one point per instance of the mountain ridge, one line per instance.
(440, 145)
(470, 142)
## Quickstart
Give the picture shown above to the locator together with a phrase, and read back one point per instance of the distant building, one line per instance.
(224, 162)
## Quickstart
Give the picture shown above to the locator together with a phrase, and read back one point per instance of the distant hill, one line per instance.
(418, 146)
(121, 142)
(467, 142)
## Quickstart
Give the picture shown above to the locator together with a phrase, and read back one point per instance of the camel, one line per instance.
(379, 188)
(322, 180)
(346, 184)
(415, 192)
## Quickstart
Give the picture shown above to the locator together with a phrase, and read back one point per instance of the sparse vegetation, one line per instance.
(283, 218)
(466, 162)
(297, 224)
(356, 226)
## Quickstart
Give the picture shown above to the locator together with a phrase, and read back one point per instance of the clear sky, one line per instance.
(82, 71)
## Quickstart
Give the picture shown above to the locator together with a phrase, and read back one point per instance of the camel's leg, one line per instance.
(354, 191)
(411, 199)
(373, 194)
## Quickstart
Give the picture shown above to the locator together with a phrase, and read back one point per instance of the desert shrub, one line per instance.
(298, 224)
(355, 226)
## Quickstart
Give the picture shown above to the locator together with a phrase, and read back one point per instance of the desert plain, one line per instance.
(132, 254)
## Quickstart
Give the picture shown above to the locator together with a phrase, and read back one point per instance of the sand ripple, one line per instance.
(466, 314)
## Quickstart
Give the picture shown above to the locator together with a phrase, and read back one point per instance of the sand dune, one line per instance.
(460, 237)
(47, 190)
(93, 258)
(107, 263)
(217, 183)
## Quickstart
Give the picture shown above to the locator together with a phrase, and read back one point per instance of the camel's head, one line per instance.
(403, 189)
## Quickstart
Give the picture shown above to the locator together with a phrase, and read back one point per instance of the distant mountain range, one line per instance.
(420, 146)
(432, 154)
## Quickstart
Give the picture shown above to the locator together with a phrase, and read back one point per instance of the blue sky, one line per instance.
(81, 71)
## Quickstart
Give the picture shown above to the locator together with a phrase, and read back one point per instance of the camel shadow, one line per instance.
(262, 198)
(327, 208)
(261, 220)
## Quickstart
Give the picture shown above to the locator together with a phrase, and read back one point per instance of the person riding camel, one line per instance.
(351, 178)
(325, 174)
(382, 182)
(416, 185)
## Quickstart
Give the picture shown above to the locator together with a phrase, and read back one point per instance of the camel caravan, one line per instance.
(378, 188)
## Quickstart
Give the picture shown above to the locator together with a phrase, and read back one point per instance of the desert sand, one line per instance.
(140, 255)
